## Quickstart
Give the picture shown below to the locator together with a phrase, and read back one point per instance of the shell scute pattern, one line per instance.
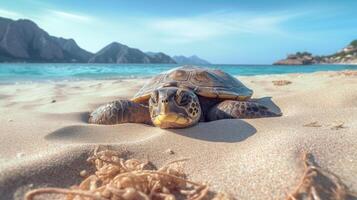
(204, 82)
(177, 75)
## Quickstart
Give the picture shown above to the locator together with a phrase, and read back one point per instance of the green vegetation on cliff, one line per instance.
(354, 43)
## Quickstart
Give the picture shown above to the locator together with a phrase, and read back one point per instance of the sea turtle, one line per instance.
(182, 97)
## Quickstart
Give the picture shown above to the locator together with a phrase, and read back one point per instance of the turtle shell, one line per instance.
(210, 83)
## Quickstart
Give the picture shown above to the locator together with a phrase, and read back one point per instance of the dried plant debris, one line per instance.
(169, 151)
(281, 82)
(319, 184)
(338, 126)
(335, 126)
(118, 179)
(223, 196)
(345, 73)
(313, 124)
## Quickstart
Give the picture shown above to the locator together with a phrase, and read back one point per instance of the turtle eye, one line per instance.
(154, 97)
(182, 99)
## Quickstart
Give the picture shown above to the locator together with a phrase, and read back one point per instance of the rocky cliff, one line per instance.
(300, 58)
(347, 55)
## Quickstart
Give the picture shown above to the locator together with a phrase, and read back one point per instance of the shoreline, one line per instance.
(46, 143)
(10, 74)
(59, 81)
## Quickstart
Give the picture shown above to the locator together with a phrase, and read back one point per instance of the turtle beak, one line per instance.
(166, 116)
(170, 118)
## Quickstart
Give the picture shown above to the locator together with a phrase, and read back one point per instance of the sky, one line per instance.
(220, 31)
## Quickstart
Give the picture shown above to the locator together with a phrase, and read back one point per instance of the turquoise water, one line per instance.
(10, 73)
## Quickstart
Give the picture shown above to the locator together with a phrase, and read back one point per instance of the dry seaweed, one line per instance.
(313, 124)
(319, 184)
(344, 73)
(118, 179)
(281, 82)
(338, 126)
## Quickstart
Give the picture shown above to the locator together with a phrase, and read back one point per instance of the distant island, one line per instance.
(347, 55)
(23, 41)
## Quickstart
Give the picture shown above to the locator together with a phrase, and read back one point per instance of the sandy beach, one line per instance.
(45, 137)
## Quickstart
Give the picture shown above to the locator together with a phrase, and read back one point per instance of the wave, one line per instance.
(15, 72)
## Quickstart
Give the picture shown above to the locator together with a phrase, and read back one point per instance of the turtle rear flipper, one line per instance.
(121, 111)
(230, 109)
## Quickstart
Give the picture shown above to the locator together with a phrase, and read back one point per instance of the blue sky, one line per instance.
(221, 31)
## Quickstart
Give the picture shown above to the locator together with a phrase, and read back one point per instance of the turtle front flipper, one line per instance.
(121, 111)
(239, 109)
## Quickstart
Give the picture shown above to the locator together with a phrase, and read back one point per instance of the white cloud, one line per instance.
(173, 35)
(10, 14)
(70, 16)
(196, 28)
(48, 14)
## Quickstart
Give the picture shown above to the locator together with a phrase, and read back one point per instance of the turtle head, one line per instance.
(173, 107)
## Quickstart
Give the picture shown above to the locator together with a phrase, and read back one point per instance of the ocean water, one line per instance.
(18, 72)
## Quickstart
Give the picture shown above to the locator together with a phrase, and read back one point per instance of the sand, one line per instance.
(45, 139)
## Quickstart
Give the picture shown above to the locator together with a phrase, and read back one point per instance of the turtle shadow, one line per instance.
(226, 130)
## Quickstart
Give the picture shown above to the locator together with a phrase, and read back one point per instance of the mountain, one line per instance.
(195, 60)
(347, 55)
(119, 53)
(23, 40)
(71, 48)
(160, 58)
